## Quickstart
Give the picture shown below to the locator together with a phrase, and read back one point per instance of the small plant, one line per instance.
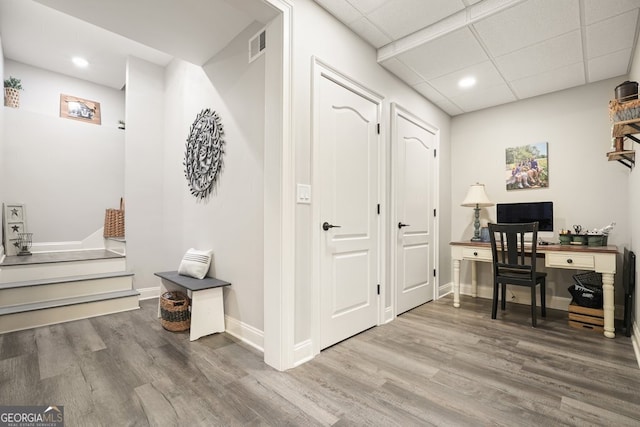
(13, 83)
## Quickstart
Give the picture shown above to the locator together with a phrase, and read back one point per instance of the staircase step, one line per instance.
(34, 291)
(31, 315)
(60, 264)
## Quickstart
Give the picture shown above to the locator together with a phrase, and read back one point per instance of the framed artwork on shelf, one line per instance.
(83, 110)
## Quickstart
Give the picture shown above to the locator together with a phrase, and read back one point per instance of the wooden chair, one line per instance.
(514, 263)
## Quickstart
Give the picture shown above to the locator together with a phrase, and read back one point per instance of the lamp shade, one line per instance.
(477, 197)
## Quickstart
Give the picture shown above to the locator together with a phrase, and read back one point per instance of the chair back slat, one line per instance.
(511, 252)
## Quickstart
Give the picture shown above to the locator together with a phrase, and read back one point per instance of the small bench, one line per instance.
(207, 307)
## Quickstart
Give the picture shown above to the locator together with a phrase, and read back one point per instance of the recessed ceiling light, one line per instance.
(467, 82)
(80, 62)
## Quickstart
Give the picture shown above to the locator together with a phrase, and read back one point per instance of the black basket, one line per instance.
(587, 291)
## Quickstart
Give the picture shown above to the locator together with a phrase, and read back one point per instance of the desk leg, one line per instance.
(608, 305)
(474, 279)
(207, 313)
(456, 283)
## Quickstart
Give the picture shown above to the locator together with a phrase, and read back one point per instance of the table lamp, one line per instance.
(477, 198)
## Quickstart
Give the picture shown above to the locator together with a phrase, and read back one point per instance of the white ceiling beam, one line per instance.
(446, 26)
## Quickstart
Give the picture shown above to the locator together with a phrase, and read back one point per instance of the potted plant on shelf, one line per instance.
(12, 88)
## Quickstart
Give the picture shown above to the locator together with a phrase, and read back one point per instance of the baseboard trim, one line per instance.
(149, 293)
(445, 290)
(245, 333)
(302, 352)
(522, 297)
(388, 315)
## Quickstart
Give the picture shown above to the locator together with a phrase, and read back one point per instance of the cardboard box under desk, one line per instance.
(586, 318)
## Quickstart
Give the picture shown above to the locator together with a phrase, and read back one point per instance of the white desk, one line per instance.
(601, 259)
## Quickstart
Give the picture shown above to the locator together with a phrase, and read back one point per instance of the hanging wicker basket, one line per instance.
(11, 97)
(174, 311)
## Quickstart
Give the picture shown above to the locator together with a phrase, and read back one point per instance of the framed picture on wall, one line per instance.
(527, 166)
(74, 108)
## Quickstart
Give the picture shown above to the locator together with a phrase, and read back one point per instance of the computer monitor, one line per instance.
(528, 212)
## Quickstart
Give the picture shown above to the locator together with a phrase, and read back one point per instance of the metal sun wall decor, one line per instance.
(203, 153)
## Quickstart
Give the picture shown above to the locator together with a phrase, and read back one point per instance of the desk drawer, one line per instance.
(570, 261)
(479, 254)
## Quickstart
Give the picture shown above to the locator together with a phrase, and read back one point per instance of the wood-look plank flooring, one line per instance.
(434, 365)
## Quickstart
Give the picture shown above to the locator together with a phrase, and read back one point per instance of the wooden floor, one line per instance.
(435, 365)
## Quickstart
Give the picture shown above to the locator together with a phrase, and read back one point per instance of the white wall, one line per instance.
(2, 139)
(42, 89)
(634, 211)
(586, 189)
(317, 33)
(143, 172)
(65, 171)
(230, 220)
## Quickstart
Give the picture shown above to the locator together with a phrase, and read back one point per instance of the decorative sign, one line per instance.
(15, 223)
(79, 109)
(203, 153)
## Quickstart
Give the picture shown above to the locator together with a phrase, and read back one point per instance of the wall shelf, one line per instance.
(627, 157)
(625, 129)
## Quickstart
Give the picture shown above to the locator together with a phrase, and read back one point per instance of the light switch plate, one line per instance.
(303, 193)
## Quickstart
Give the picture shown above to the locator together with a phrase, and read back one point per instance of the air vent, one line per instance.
(257, 45)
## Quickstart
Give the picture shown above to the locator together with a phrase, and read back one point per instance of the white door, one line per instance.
(414, 200)
(347, 141)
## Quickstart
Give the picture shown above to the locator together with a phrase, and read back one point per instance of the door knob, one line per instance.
(400, 225)
(326, 226)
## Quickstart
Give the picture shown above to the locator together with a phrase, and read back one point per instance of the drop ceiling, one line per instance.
(48, 33)
(515, 49)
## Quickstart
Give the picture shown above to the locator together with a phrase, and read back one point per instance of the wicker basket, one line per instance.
(621, 111)
(174, 311)
(114, 221)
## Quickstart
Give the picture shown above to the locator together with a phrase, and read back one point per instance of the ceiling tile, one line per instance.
(485, 74)
(449, 107)
(426, 90)
(528, 23)
(607, 66)
(597, 10)
(370, 32)
(341, 10)
(393, 19)
(444, 55)
(546, 56)
(612, 34)
(405, 73)
(365, 6)
(563, 78)
(476, 100)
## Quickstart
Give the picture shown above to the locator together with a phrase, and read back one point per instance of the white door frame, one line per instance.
(279, 198)
(396, 112)
(321, 70)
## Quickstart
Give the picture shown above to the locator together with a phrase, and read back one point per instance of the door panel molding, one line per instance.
(411, 236)
(320, 71)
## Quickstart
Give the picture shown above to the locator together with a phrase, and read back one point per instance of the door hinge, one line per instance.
(434, 212)
(434, 152)
(378, 288)
(434, 272)
(378, 128)
(378, 208)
